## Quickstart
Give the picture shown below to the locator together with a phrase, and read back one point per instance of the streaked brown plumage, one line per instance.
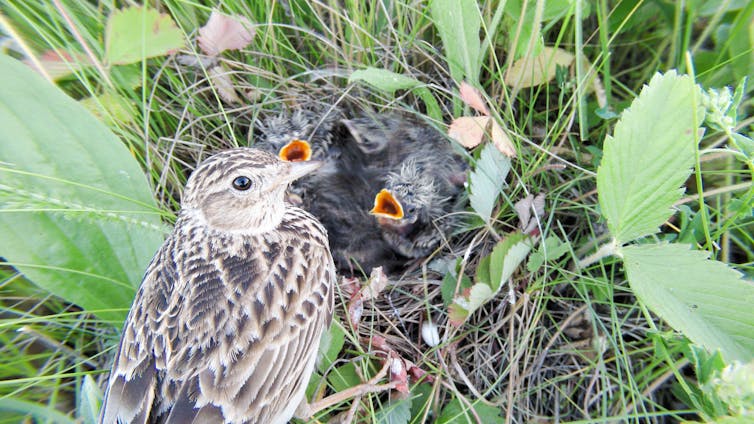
(226, 324)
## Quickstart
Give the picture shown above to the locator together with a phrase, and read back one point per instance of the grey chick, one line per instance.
(226, 324)
(414, 210)
(301, 135)
(315, 128)
(423, 184)
(341, 201)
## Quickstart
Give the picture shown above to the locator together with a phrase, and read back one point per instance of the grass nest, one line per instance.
(539, 350)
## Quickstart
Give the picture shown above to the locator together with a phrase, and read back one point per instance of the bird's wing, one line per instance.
(255, 318)
(131, 390)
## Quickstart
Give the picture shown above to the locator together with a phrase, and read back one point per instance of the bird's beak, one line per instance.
(296, 151)
(387, 206)
(296, 170)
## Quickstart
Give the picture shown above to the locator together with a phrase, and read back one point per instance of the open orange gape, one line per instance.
(296, 151)
(387, 206)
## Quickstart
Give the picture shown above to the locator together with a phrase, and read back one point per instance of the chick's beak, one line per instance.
(387, 206)
(296, 151)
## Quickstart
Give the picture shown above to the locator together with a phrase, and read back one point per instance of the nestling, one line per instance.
(226, 324)
(423, 181)
(411, 210)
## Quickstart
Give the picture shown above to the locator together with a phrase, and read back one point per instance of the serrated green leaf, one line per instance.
(550, 249)
(137, 33)
(459, 22)
(506, 257)
(492, 271)
(487, 180)
(705, 300)
(457, 412)
(483, 271)
(648, 158)
(77, 214)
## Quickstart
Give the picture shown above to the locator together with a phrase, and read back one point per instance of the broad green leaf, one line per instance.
(524, 26)
(137, 33)
(76, 211)
(649, 157)
(487, 180)
(330, 345)
(448, 288)
(458, 412)
(394, 411)
(344, 377)
(390, 82)
(705, 300)
(421, 399)
(459, 22)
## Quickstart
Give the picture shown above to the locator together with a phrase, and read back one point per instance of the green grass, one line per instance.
(573, 345)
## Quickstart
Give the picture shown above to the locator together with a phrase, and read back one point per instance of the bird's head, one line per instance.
(241, 190)
(406, 199)
(290, 135)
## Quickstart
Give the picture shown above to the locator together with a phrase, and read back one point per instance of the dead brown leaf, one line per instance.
(531, 71)
(223, 32)
(501, 141)
(469, 130)
(472, 97)
(530, 209)
(220, 79)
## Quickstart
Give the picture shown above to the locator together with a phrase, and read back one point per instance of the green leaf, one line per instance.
(110, 107)
(384, 80)
(648, 158)
(38, 413)
(330, 345)
(90, 399)
(501, 263)
(506, 257)
(705, 300)
(458, 412)
(76, 211)
(459, 22)
(487, 180)
(390, 82)
(448, 288)
(550, 249)
(344, 377)
(395, 411)
(137, 33)
(421, 399)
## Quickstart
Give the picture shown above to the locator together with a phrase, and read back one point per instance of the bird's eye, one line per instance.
(411, 210)
(242, 183)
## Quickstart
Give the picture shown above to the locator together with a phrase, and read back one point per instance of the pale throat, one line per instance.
(258, 218)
